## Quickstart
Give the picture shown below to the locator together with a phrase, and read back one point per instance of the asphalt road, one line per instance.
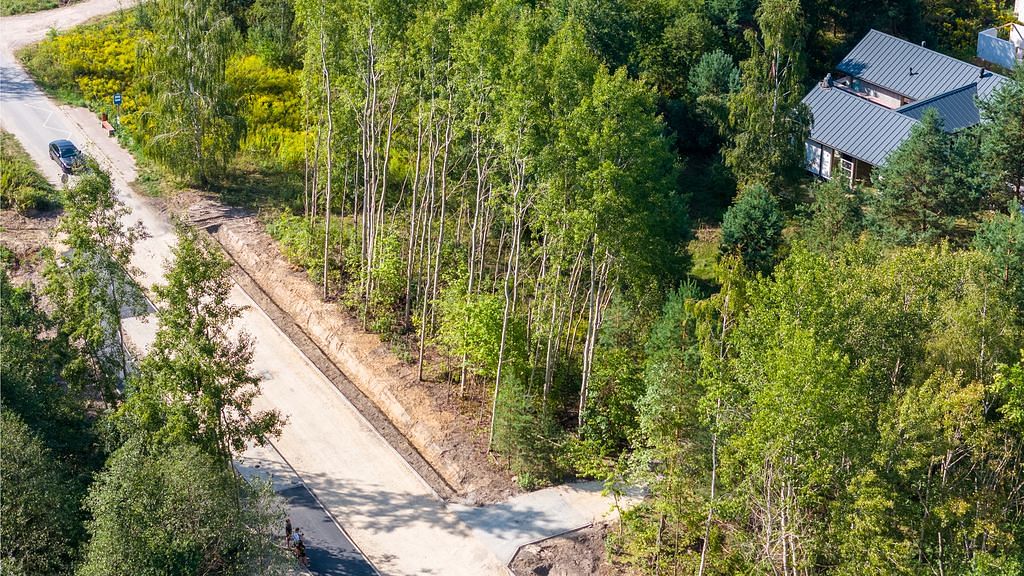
(328, 554)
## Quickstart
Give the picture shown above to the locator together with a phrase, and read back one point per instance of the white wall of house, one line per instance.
(1018, 8)
(818, 159)
(1006, 53)
(869, 91)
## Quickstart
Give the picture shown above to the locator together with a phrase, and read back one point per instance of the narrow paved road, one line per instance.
(393, 516)
(390, 512)
(330, 552)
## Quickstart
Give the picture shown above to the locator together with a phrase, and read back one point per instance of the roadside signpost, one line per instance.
(117, 105)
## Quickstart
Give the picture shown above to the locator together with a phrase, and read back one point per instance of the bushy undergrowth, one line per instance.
(89, 64)
(22, 187)
(13, 7)
(302, 243)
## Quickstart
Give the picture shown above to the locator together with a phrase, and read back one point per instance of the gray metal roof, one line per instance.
(856, 126)
(886, 61)
(958, 108)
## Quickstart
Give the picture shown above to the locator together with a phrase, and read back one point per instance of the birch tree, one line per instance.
(195, 385)
(194, 128)
(90, 284)
(769, 121)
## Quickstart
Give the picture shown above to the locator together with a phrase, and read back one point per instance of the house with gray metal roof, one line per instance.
(878, 93)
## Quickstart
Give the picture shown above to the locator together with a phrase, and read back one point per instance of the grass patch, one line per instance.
(14, 7)
(22, 186)
(151, 179)
(261, 187)
(703, 250)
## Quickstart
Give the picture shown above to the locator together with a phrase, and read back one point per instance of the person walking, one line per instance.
(287, 529)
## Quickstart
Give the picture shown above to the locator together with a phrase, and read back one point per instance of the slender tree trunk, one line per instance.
(330, 159)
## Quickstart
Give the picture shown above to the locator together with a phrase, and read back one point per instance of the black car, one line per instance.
(67, 156)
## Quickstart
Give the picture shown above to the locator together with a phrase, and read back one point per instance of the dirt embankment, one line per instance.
(25, 236)
(440, 433)
(577, 553)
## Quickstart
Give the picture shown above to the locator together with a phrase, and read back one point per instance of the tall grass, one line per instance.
(12, 7)
(22, 187)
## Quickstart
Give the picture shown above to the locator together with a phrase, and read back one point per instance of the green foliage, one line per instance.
(954, 24)
(835, 217)
(195, 386)
(178, 511)
(471, 327)
(1002, 238)
(1002, 140)
(41, 384)
(752, 228)
(49, 445)
(272, 32)
(850, 394)
(625, 175)
(387, 275)
(22, 187)
(193, 126)
(767, 117)
(269, 103)
(89, 285)
(925, 185)
(302, 243)
(40, 520)
(529, 438)
(712, 82)
(1008, 385)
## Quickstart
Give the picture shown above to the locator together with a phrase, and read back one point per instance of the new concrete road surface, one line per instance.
(393, 516)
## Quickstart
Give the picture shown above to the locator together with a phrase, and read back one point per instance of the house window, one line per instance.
(846, 168)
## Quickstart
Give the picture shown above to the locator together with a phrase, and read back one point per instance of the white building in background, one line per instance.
(1004, 45)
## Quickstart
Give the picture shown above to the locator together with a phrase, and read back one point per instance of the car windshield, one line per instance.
(68, 152)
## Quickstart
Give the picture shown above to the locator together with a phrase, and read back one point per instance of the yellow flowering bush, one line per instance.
(271, 106)
(96, 60)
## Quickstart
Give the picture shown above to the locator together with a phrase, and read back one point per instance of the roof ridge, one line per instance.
(919, 103)
(915, 45)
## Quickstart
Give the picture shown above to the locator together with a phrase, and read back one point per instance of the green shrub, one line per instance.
(302, 243)
(530, 439)
(89, 64)
(12, 7)
(752, 228)
(22, 187)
